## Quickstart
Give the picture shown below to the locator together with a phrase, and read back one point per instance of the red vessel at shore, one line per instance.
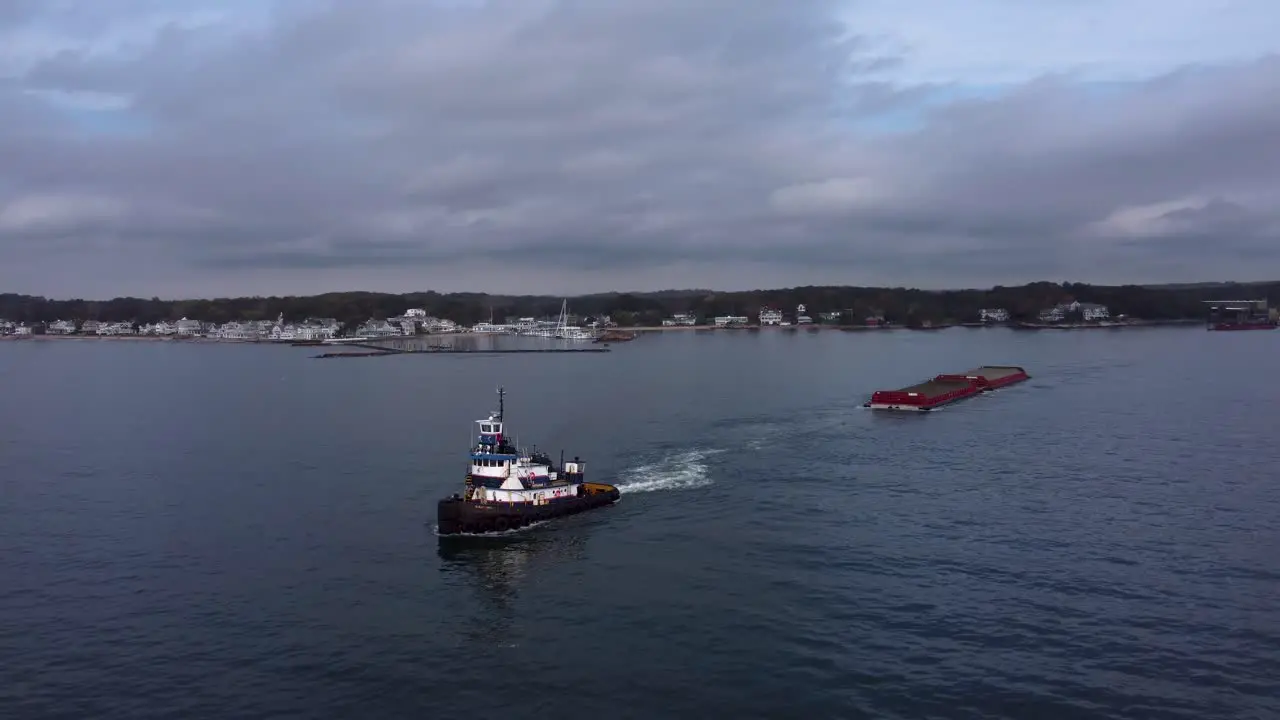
(947, 388)
(1239, 315)
(1254, 325)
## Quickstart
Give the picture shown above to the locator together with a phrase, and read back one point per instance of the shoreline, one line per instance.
(1114, 325)
(1023, 326)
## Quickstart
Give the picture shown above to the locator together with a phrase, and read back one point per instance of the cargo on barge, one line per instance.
(947, 388)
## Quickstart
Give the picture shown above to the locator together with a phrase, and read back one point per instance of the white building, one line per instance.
(802, 315)
(22, 330)
(680, 320)
(315, 332)
(379, 328)
(62, 327)
(727, 320)
(438, 325)
(769, 316)
(237, 331)
(995, 315)
(115, 329)
(1090, 312)
(1093, 311)
(187, 327)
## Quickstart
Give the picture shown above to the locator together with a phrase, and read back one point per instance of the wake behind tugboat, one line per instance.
(507, 488)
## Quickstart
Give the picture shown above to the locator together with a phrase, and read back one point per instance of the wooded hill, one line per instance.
(898, 305)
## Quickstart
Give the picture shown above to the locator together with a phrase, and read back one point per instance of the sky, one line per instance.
(200, 148)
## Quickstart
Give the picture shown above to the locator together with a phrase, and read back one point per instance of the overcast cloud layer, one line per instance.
(194, 147)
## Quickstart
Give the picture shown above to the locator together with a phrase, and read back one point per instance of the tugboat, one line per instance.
(507, 488)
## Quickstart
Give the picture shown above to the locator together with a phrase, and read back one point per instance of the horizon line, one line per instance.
(792, 288)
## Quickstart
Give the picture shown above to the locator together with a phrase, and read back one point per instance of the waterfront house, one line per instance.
(1090, 312)
(832, 317)
(114, 329)
(439, 325)
(236, 331)
(22, 330)
(680, 320)
(62, 327)
(311, 332)
(993, 315)
(802, 316)
(378, 328)
(1057, 313)
(1093, 311)
(187, 328)
(731, 320)
(770, 316)
(90, 327)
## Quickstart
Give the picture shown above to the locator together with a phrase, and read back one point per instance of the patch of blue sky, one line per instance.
(113, 122)
(913, 115)
(95, 113)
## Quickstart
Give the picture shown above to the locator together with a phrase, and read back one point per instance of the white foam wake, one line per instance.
(677, 471)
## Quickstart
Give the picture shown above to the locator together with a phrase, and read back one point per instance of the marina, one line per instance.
(947, 388)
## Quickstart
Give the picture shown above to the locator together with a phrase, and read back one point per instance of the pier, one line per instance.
(375, 351)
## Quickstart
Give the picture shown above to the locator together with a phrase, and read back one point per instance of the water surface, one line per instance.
(241, 531)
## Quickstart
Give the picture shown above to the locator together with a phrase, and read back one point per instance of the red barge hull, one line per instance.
(1262, 325)
(947, 388)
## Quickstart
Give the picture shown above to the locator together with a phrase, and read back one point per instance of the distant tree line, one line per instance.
(902, 306)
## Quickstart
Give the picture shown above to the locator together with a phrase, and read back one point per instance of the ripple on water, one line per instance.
(1084, 545)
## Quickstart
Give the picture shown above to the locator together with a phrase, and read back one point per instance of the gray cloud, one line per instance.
(394, 144)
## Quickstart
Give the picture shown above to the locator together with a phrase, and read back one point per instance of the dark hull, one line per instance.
(1248, 325)
(455, 515)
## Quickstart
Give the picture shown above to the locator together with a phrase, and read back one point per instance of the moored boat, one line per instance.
(507, 488)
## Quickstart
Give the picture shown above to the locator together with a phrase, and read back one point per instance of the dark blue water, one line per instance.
(241, 531)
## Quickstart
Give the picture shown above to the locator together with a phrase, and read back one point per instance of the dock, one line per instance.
(374, 351)
(947, 388)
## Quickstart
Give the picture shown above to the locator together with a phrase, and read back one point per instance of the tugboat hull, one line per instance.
(455, 516)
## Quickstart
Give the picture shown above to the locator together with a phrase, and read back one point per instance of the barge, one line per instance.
(507, 488)
(1239, 315)
(947, 388)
